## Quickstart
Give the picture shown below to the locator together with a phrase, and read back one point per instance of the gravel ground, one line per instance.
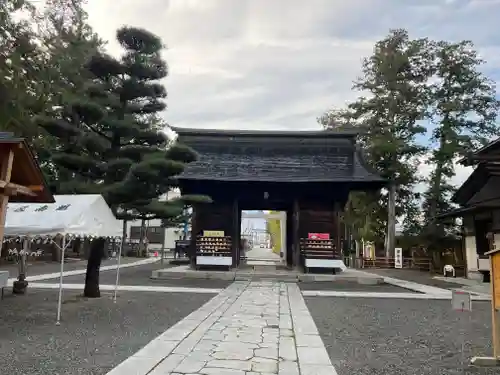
(411, 337)
(350, 286)
(95, 334)
(141, 275)
(424, 278)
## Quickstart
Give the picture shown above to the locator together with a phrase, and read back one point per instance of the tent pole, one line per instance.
(59, 302)
(119, 261)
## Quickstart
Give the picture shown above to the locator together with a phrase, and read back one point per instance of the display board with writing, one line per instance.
(213, 233)
(318, 236)
(398, 257)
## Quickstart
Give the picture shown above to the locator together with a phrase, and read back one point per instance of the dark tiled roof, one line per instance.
(330, 133)
(474, 182)
(320, 156)
(490, 149)
(362, 171)
(227, 167)
(464, 211)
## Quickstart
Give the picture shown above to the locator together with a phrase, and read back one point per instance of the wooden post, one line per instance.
(338, 242)
(493, 361)
(235, 233)
(5, 175)
(296, 235)
(495, 302)
(283, 250)
(195, 219)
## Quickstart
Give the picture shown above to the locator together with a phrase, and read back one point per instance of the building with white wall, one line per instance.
(158, 237)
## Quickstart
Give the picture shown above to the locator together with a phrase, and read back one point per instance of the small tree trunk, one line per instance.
(94, 264)
(391, 223)
(141, 237)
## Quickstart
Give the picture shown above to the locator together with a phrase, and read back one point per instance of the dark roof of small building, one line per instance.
(464, 211)
(490, 148)
(493, 145)
(474, 182)
(275, 156)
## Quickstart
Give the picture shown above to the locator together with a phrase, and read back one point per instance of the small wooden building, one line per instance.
(307, 174)
(479, 200)
(21, 179)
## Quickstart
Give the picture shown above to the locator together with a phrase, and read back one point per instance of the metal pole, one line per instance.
(59, 302)
(119, 261)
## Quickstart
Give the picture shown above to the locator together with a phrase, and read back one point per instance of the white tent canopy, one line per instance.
(79, 215)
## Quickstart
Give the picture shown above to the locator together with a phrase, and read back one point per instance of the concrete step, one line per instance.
(267, 274)
(265, 268)
(255, 262)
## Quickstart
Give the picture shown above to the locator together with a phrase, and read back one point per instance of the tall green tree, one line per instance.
(21, 61)
(67, 41)
(110, 142)
(463, 111)
(393, 101)
(41, 54)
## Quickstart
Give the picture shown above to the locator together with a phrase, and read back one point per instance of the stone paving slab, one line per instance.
(256, 328)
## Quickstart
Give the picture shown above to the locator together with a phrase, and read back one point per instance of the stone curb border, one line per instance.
(55, 275)
(131, 288)
(172, 274)
(424, 296)
(187, 331)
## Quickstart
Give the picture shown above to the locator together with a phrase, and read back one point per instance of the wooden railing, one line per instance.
(423, 264)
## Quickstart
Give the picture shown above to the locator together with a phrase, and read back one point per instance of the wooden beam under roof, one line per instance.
(15, 189)
(486, 158)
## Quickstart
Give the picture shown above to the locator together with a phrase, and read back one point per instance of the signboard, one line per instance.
(398, 257)
(461, 301)
(495, 279)
(213, 233)
(318, 236)
(369, 251)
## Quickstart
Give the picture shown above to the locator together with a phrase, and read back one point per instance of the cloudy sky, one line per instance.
(261, 64)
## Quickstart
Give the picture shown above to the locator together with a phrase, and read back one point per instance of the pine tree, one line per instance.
(464, 111)
(111, 142)
(394, 81)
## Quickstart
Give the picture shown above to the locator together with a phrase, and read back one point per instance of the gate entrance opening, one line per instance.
(263, 237)
(305, 175)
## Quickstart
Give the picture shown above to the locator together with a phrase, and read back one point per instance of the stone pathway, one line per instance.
(258, 252)
(256, 328)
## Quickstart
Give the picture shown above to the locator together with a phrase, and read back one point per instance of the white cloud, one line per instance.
(260, 64)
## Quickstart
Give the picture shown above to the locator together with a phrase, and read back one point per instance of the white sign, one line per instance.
(398, 257)
(461, 301)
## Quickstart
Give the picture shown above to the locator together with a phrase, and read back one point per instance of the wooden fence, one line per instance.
(421, 264)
